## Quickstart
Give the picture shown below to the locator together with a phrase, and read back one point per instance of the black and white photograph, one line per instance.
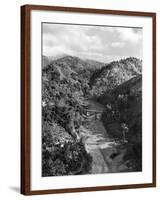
(91, 99)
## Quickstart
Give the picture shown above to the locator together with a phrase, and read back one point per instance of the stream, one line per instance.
(105, 156)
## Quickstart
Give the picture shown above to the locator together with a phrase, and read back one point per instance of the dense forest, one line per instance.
(67, 85)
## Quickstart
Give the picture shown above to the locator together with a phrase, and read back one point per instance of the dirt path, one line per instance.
(101, 148)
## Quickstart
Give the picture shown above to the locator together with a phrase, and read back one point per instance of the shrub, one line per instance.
(64, 159)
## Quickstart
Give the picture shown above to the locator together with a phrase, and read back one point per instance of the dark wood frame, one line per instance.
(25, 98)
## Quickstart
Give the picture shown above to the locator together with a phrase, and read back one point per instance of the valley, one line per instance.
(92, 116)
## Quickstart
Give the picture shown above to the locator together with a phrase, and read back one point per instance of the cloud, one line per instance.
(130, 34)
(93, 42)
(118, 44)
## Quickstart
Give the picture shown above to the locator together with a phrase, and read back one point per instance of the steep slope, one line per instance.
(62, 113)
(123, 104)
(114, 74)
(71, 67)
(123, 119)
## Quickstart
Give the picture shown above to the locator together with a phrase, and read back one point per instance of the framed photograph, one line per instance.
(88, 99)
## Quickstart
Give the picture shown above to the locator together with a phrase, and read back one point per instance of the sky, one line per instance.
(104, 44)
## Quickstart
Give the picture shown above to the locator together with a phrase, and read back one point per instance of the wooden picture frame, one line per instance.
(26, 109)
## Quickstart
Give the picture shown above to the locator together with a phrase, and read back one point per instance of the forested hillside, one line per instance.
(64, 89)
(67, 85)
(122, 119)
(114, 74)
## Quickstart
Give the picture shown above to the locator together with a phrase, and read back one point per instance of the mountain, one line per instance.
(114, 74)
(95, 63)
(46, 60)
(78, 64)
(69, 67)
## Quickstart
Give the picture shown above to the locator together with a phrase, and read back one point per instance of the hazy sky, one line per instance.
(92, 42)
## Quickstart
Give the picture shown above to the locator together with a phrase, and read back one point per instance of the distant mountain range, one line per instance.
(72, 61)
(46, 60)
(123, 69)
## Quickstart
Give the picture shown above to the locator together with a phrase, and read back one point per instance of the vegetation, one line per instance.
(123, 120)
(63, 100)
(114, 74)
(65, 158)
(67, 84)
